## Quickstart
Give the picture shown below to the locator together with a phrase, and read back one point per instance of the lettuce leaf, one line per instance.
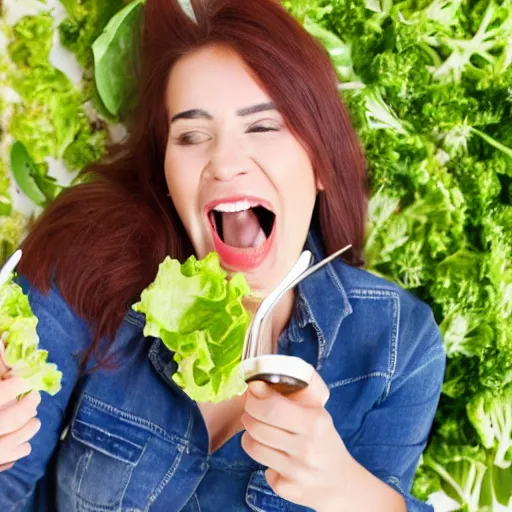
(13, 228)
(18, 327)
(87, 18)
(31, 40)
(113, 59)
(199, 315)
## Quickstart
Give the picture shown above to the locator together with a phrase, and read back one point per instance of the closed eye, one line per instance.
(262, 128)
(191, 138)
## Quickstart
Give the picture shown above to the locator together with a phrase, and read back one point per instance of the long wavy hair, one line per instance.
(101, 242)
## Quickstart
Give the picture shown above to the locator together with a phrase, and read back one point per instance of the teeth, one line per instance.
(239, 206)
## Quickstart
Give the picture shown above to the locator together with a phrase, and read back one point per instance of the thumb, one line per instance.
(315, 394)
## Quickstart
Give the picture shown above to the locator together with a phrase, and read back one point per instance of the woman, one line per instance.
(238, 109)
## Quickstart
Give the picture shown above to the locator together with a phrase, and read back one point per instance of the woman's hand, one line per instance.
(295, 437)
(17, 418)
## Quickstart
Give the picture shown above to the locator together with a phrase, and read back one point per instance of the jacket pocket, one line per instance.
(261, 498)
(102, 453)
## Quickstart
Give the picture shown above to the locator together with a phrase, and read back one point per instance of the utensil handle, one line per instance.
(283, 384)
(9, 267)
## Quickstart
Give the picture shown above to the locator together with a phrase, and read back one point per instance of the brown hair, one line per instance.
(102, 241)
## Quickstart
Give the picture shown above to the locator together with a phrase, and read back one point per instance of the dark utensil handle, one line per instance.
(281, 383)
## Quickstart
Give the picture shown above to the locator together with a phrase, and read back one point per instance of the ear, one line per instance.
(319, 185)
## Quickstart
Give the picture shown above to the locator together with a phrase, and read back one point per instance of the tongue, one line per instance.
(242, 229)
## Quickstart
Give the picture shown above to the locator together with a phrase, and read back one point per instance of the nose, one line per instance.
(228, 160)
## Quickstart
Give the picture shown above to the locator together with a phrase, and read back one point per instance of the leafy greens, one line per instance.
(429, 87)
(20, 341)
(428, 84)
(199, 316)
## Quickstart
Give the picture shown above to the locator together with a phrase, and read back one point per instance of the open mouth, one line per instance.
(242, 231)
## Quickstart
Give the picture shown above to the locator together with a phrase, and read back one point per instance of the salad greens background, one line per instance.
(429, 87)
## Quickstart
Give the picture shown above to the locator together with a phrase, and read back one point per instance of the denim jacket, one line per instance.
(128, 439)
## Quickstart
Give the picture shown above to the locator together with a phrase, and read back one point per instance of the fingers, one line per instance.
(12, 387)
(269, 435)
(15, 446)
(18, 413)
(268, 406)
(275, 459)
(3, 367)
(24, 434)
(315, 394)
(303, 447)
(5, 467)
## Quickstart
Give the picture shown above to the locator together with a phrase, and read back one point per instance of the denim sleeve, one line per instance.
(395, 431)
(62, 333)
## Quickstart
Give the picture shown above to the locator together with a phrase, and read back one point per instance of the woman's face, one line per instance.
(241, 182)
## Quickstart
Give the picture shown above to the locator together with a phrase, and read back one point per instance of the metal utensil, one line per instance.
(9, 267)
(5, 273)
(284, 373)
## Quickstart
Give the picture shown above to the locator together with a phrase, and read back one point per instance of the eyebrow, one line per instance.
(195, 113)
(199, 113)
(254, 109)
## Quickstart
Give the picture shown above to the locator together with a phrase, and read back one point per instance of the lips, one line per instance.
(239, 258)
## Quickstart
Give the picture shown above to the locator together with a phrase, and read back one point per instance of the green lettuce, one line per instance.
(86, 20)
(114, 59)
(5, 194)
(31, 40)
(198, 314)
(13, 228)
(20, 340)
(428, 85)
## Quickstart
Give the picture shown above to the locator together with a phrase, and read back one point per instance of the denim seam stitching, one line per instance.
(134, 321)
(249, 502)
(181, 448)
(167, 478)
(133, 317)
(321, 339)
(341, 289)
(347, 310)
(102, 450)
(257, 488)
(359, 378)
(393, 480)
(96, 427)
(190, 426)
(136, 421)
(197, 503)
(379, 294)
(371, 293)
(420, 368)
(394, 346)
(78, 481)
(83, 465)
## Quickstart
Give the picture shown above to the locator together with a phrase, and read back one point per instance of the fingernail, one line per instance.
(259, 389)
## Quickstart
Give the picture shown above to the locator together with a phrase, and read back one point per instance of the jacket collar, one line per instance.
(321, 302)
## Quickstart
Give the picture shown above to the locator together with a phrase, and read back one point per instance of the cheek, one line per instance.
(297, 176)
(181, 183)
